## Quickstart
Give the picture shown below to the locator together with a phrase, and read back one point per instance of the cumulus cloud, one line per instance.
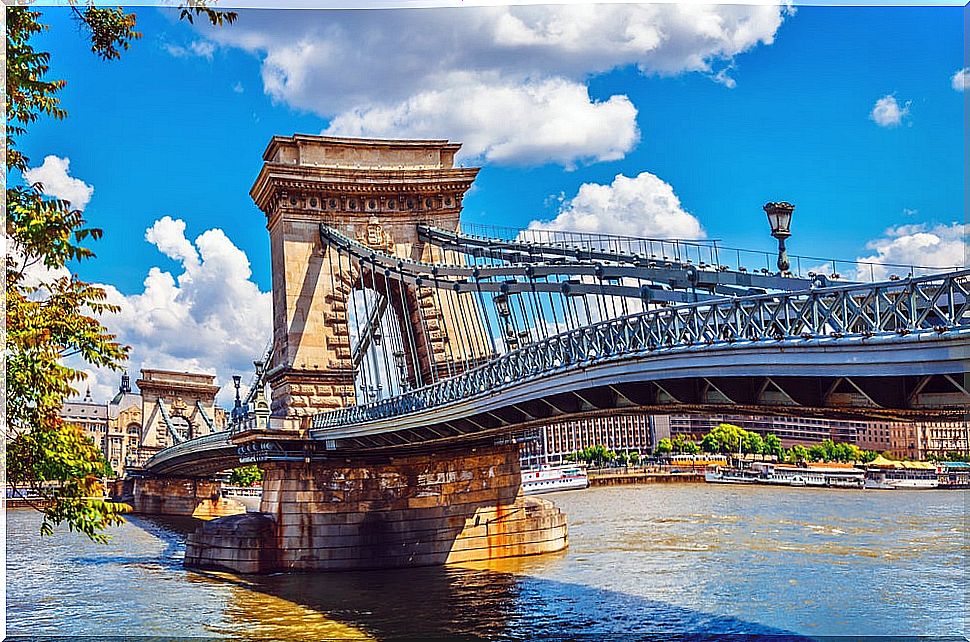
(916, 245)
(960, 79)
(54, 175)
(486, 74)
(197, 48)
(643, 206)
(887, 112)
(550, 120)
(210, 317)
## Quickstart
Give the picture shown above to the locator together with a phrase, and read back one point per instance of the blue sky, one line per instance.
(176, 127)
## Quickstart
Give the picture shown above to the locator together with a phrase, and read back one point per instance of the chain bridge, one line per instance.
(410, 351)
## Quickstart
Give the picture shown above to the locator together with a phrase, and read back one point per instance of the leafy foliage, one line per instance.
(50, 314)
(246, 476)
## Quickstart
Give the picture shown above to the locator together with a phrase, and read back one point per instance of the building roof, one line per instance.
(84, 410)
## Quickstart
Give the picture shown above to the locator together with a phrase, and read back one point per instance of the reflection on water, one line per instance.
(642, 560)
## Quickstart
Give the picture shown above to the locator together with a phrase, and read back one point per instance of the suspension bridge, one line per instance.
(410, 351)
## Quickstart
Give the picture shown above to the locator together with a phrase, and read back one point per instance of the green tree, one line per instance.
(773, 446)
(622, 459)
(246, 475)
(634, 457)
(710, 443)
(51, 315)
(690, 448)
(665, 446)
(753, 443)
(798, 454)
(816, 453)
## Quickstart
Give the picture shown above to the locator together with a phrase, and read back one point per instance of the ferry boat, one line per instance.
(788, 475)
(725, 475)
(902, 478)
(886, 474)
(548, 479)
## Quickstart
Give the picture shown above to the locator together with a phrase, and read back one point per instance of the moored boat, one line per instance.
(788, 475)
(548, 479)
(885, 474)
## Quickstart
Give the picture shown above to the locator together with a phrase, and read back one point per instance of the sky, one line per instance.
(646, 120)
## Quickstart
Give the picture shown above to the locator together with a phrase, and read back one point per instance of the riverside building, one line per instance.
(169, 407)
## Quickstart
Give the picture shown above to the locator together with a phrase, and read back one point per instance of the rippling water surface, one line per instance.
(661, 559)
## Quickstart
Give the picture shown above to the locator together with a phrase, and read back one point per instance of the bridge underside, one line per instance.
(891, 381)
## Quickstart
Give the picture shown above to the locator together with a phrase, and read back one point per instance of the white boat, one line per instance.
(784, 475)
(902, 479)
(719, 475)
(548, 479)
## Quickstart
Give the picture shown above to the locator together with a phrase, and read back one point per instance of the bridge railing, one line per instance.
(935, 304)
(187, 448)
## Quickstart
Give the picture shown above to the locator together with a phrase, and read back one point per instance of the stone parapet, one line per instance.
(414, 510)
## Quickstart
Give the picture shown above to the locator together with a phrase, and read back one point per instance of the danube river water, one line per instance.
(643, 560)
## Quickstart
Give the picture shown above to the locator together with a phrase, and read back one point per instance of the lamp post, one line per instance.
(236, 381)
(779, 217)
(402, 369)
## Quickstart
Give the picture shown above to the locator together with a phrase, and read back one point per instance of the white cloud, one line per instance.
(199, 48)
(54, 175)
(887, 112)
(211, 317)
(643, 206)
(961, 79)
(549, 120)
(916, 245)
(431, 71)
(238, 87)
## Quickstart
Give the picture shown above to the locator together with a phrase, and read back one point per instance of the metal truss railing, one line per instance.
(188, 447)
(931, 304)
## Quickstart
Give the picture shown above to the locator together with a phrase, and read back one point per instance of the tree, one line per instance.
(816, 453)
(634, 457)
(52, 315)
(798, 454)
(690, 448)
(710, 443)
(246, 475)
(753, 443)
(665, 446)
(773, 446)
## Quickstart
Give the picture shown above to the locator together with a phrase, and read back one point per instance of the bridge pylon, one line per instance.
(374, 191)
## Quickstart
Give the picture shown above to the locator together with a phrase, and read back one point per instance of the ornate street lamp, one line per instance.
(402, 369)
(236, 381)
(779, 217)
(502, 305)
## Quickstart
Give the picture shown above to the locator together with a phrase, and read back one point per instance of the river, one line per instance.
(643, 560)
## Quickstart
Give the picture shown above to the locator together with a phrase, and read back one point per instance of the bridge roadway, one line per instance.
(890, 350)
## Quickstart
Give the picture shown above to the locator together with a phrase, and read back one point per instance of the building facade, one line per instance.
(622, 433)
(791, 430)
(168, 408)
(641, 432)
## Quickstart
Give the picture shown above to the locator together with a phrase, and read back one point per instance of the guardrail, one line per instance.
(187, 448)
(936, 304)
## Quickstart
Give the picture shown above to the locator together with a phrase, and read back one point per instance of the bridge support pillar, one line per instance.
(185, 497)
(412, 510)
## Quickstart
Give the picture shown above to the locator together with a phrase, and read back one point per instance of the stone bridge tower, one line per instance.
(374, 191)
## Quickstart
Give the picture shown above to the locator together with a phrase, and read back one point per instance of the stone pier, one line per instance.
(175, 496)
(413, 510)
